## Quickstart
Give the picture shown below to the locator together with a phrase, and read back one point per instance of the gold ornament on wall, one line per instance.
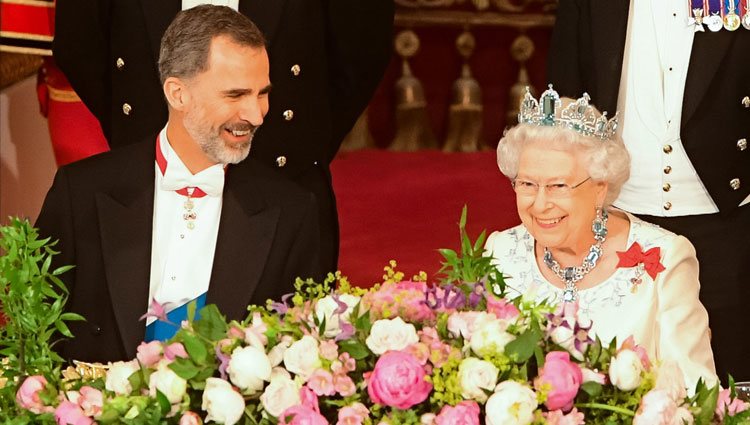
(465, 115)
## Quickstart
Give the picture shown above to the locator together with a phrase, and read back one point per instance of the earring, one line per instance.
(599, 225)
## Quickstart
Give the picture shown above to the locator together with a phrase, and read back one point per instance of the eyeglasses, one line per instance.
(553, 190)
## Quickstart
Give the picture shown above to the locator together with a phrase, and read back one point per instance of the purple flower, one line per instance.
(157, 311)
(282, 307)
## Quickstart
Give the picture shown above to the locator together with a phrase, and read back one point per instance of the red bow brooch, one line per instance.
(648, 261)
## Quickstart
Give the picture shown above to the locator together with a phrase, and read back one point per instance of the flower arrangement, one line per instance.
(403, 352)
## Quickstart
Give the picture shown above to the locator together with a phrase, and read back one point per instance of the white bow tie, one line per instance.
(210, 180)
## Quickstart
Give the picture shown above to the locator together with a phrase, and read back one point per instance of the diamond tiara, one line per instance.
(578, 116)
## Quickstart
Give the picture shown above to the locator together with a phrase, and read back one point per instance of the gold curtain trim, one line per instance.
(26, 50)
(62, 95)
(24, 36)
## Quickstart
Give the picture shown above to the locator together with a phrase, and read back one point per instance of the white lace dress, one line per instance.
(663, 315)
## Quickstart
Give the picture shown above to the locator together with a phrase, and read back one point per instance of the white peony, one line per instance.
(223, 404)
(490, 338)
(625, 370)
(391, 335)
(564, 337)
(117, 377)
(512, 404)
(280, 394)
(325, 308)
(475, 376)
(303, 357)
(464, 323)
(168, 383)
(276, 354)
(248, 368)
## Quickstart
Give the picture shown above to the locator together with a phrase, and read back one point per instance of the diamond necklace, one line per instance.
(571, 275)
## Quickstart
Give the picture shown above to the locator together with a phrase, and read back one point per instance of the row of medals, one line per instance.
(730, 22)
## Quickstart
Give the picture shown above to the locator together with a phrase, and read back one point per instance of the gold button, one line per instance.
(734, 183)
(667, 169)
(742, 144)
(667, 148)
(296, 70)
(746, 101)
(666, 187)
(281, 161)
(120, 64)
(288, 114)
(667, 205)
(126, 109)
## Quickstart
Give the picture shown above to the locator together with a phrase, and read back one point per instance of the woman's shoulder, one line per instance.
(504, 240)
(650, 235)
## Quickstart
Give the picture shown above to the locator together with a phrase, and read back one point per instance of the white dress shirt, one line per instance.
(663, 181)
(182, 258)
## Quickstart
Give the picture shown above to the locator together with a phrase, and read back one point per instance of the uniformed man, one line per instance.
(327, 57)
(679, 77)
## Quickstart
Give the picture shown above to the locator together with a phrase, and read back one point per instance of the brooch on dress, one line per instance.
(644, 262)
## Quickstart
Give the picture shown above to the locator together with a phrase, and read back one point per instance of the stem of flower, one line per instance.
(601, 406)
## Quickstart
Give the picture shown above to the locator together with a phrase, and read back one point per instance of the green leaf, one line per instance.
(195, 348)
(72, 317)
(163, 402)
(184, 368)
(356, 349)
(592, 388)
(706, 402)
(63, 328)
(522, 348)
(211, 324)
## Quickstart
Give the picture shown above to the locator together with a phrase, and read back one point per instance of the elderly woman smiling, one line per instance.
(627, 276)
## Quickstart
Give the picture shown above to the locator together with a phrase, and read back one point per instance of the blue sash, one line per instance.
(162, 331)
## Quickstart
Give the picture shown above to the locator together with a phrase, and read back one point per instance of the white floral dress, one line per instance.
(664, 314)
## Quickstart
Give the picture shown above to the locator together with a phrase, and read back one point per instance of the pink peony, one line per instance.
(563, 376)
(557, 417)
(69, 413)
(501, 307)
(355, 414)
(464, 413)
(27, 395)
(727, 406)
(91, 400)
(657, 408)
(190, 418)
(629, 344)
(149, 353)
(301, 415)
(398, 380)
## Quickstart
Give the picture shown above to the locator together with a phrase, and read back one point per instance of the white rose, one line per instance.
(279, 395)
(117, 377)
(511, 404)
(490, 337)
(427, 419)
(391, 334)
(564, 337)
(475, 376)
(625, 370)
(166, 381)
(248, 368)
(303, 357)
(669, 378)
(464, 323)
(276, 354)
(325, 308)
(223, 404)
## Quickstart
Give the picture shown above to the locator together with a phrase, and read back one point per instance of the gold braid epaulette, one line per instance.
(84, 371)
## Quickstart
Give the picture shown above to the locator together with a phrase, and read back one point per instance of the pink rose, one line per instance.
(301, 415)
(464, 413)
(657, 408)
(398, 380)
(727, 406)
(175, 350)
(91, 400)
(69, 413)
(149, 353)
(27, 395)
(501, 307)
(563, 377)
(557, 417)
(190, 418)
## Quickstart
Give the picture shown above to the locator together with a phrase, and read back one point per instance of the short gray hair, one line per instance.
(605, 160)
(187, 41)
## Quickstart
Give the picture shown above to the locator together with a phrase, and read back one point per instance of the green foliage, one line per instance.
(32, 298)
